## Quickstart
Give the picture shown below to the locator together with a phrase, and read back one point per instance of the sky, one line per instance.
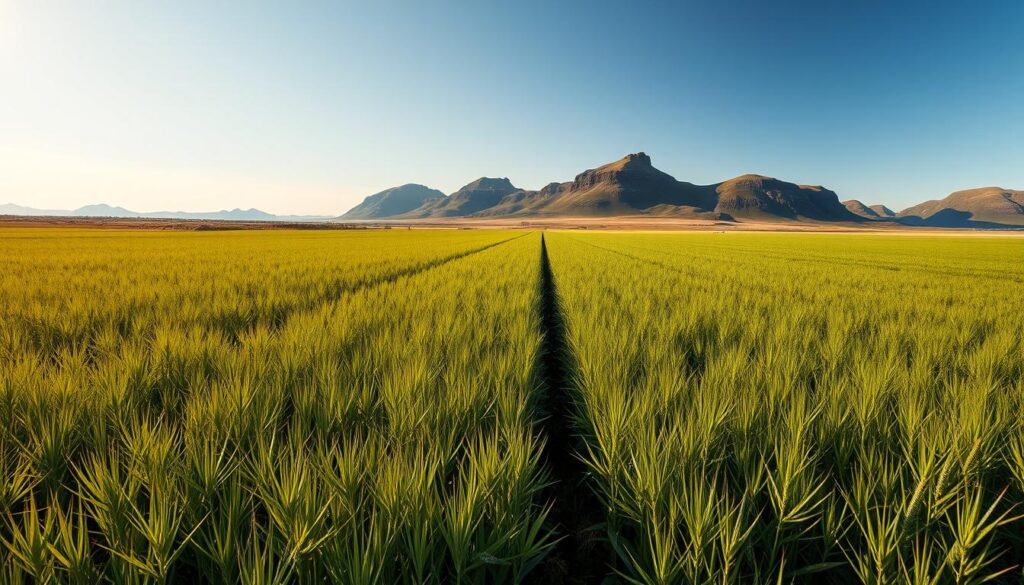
(307, 107)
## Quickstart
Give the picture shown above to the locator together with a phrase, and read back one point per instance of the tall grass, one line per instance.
(778, 408)
(269, 408)
(334, 407)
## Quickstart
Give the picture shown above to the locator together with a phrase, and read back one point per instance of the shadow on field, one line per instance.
(580, 556)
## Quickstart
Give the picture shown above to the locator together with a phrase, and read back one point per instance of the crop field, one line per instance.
(762, 408)
(488, 406)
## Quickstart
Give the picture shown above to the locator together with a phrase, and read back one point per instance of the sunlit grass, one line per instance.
(270, 408)
(764, 408)
(336, 407)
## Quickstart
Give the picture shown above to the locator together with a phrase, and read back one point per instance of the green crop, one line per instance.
(381, 406)
(270, 408)
(778, 408)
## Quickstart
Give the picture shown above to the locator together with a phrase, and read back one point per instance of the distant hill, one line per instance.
(627, 186)
(630, 186)
(875, 212)
(857, 208)
(480, 195)
(393, 201)
(231, 215)
(104, 210)
(522, 201)
(882, 211)
(12, 209)
(984, 207)
(758, 197)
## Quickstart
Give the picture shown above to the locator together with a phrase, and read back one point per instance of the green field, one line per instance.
(424, 406)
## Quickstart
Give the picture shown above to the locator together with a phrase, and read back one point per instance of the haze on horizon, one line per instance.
(306, 110)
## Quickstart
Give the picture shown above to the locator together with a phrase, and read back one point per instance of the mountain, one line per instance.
(475, 197)
(630, 186)
(104, 210)
(627, 186)
(882, 211)
(12, 209)
(984, 207)
(521, 201)
(875, 212)
(857, 208)
(633, 186)
(758, 197)
(232, 215)
(393, 201)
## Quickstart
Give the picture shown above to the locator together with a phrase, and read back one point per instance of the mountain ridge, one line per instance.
(856, 207)
(393, 201)
(978, 207)
(105, 210)
(632, 186)
(873, 212)
(474, 197)
(629, 186)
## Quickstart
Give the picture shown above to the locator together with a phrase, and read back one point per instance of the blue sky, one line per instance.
(308, 107)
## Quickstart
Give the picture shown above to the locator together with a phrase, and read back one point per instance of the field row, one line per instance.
(381, 435)
(765, 408)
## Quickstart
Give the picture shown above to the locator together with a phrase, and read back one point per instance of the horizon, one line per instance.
(448, 193)
(306, 112)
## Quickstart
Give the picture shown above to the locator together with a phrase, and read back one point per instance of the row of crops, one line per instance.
(266, 409)
(398, 407)
(768, 408)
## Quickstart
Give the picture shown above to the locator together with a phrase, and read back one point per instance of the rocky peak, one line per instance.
(552, 188)
(490, 184)
(633, 165)
(638, 159)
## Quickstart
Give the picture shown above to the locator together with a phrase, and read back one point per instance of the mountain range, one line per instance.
(104, 210)
(632, 186)
(393, 201)
(982, 207)
(986, 207)
(629, 186)
(869, 211)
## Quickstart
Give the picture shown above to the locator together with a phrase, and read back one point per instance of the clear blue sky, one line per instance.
(307, 107)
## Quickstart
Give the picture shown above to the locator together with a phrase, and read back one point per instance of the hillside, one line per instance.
(13, 209)
(632, 186)
(874, 212)
(984, 207)
(758, 197)
(882, 211)
(394, 201)
(522, 201)
(102, 210)
(625, 187)
(475, 197)
(857, 208)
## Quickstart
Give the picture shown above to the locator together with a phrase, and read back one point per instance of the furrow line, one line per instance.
(334, 295)
(580, 556)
